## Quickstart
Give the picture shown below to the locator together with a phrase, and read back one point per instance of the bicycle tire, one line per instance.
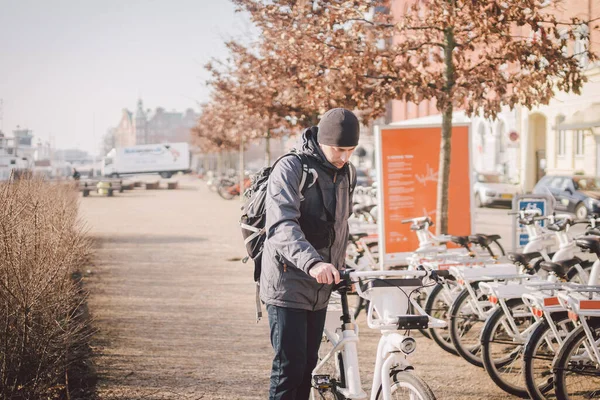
(587, 369)
(501, 369)
(469, 350)
(224, 190)
(439, 335)
(403, 380)
(537, 357)
(330, 395)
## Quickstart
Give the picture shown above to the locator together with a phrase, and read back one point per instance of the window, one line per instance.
(567, 184)
(579, 138)
(481, 133)
(560, 147)
(501, 139)
(557, 182)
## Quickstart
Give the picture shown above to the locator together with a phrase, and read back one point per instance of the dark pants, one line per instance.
(296, 336)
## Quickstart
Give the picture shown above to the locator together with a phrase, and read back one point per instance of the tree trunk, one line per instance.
(241, 168)
(444, 171)
(268, 148)
(446, 141)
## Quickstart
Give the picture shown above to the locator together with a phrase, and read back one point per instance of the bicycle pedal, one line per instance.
(322, 381)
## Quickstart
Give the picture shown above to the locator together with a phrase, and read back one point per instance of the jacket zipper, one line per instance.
(335, 199)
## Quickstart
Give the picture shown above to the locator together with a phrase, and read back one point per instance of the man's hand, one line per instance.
(325, 273)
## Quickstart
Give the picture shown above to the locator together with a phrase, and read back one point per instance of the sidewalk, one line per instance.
(176, 317)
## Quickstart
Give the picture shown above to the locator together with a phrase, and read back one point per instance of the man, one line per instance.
(306, 237)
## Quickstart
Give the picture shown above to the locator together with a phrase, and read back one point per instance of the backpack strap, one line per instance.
(351, 177)
(305, 170)
(257, 232)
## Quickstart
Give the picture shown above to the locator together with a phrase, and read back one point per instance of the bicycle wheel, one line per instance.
(437, 307)
(576, 372)
(407, 385)
(501, 352)
(466, 325)
(541, 348)
(331, 394)
(226, 190)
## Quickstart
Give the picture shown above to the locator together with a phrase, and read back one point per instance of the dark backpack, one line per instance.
(254, 215)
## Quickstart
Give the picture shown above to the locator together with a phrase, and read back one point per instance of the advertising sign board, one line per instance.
(407, 164)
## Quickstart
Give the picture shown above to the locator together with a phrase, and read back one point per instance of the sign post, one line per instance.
(541, 202)
(407, 166)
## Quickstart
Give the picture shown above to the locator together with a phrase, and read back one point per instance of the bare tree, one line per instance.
(472, 55)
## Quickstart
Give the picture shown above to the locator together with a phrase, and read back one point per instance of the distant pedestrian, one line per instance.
(76, 174)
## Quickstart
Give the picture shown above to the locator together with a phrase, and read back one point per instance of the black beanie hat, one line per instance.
(338, 127)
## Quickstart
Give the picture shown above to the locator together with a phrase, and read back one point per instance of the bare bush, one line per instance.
(42, 332)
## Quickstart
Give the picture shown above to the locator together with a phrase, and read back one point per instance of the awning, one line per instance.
(587, 118)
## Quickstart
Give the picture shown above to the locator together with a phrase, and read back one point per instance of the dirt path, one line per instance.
(176, 316)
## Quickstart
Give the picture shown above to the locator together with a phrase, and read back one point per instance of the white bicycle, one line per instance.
(389, 293)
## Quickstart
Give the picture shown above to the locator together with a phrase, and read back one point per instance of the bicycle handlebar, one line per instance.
(416, 220)
(421, 271)
(527, 213)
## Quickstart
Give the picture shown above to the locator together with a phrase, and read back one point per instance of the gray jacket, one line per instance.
(302, 233)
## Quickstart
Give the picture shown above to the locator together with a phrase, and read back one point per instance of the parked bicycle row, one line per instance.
(531, 319)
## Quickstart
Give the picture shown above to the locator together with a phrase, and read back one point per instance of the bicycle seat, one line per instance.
(593, 231)
(417, 227)
(483, 240)
(362, 208)
(558, 227)
(589, 243)
(523, 258)
(460, 240)
(444, 273)
(560, 268)
(356, 236)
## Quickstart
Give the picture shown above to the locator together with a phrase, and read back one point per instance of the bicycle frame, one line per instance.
(386, 305)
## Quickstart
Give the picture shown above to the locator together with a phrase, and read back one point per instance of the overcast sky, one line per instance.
(68, 68)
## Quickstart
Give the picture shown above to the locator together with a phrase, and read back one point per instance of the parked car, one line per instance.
(493, 188)
(576, 194)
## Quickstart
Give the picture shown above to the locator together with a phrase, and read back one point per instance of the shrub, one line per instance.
(43, 329)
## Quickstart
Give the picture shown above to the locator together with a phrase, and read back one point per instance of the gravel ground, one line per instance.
(175, 307)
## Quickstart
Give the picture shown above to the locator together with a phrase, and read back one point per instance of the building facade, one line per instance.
(148, 127)
(561, 138)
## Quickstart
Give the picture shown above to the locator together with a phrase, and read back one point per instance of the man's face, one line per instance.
(338, 156)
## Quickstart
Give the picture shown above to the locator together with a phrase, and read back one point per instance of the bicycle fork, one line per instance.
(391, 353)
